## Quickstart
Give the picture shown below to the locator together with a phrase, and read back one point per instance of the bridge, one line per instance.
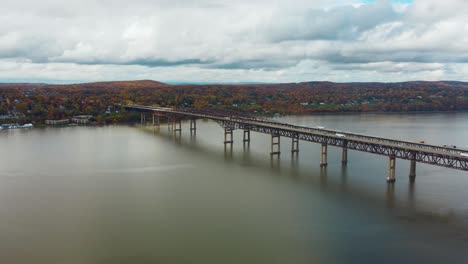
(442, 156)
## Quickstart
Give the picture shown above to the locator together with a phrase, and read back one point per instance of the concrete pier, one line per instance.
(170, 124)
(275, 145)
(228, 139)
(177, 126)
(143, 118)
(412, 174)
(323, 155)
(156, 120)
(193, 125)
(391, 169)
(344, 156)
(246, 135)
(295, 145)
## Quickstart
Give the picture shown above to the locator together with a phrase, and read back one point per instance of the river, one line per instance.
(132, 194)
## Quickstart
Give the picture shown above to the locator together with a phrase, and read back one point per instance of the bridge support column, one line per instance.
(391, 169)
(295, 144)
(193, 125)
(412, 174)
(143, 118)
(275, 145)
(246, 135)
(170, 124)
(158, 123)
(228, 136)
(344, 156)
(177, 126)
(323, 155)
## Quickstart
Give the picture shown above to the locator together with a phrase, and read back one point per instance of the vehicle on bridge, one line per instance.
(450, 146)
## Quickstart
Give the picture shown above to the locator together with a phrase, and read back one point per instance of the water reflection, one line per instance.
(344, 178)
(246, 154)
(390, 196)
(193, 137)
(228, 151)
(323, 177)
(275, 162)
(246, 146)
(277, 165)
(177, 137)
(156, 129)
(411, 188)
(294, 165)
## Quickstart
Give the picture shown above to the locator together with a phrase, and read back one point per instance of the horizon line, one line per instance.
(41, 82)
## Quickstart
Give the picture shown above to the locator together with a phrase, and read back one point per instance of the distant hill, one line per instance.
(21, 84)
(51, 101)
(116, 84)
(389, 84)
(156, 84)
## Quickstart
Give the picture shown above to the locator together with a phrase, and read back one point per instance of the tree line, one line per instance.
(38, 102)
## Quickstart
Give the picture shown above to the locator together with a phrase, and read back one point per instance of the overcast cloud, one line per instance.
(233, 41)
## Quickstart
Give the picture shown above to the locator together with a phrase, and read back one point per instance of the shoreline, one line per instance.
(41, 123)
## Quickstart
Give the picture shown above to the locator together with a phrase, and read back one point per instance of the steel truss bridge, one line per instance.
(448, 157)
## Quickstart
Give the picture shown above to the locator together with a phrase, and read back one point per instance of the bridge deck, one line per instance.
(431, 154)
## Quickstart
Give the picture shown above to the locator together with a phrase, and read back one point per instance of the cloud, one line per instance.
(345, 23)
(233, 40)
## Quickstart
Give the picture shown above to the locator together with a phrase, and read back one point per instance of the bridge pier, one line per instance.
(177, 126)
(295, 144)
(143, 118)
(391, 169)
(344, 153)
(170, 124)
(275, 143)
(246, 135)
(323, 155)
(344, 156)
(193, 125)
(412, 174)
(228, 136)
(155, 120)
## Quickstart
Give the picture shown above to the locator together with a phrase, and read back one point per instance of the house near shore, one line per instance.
(81, 119)
(57, 122)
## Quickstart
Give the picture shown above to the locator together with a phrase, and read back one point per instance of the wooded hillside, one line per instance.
(40, 101)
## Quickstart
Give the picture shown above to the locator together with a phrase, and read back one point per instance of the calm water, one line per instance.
(123, 194)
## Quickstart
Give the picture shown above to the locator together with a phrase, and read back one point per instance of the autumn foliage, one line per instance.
(39, 101)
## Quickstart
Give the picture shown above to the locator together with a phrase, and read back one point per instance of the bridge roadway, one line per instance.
(448, 157)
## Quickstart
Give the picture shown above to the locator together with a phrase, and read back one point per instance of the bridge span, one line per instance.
(448, 157)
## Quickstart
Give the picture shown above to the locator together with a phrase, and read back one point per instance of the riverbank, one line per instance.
(132, 117)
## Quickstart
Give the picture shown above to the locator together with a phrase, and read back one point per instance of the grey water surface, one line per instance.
(133, 194)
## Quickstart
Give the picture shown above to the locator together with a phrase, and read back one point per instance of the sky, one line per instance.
(228, 41)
